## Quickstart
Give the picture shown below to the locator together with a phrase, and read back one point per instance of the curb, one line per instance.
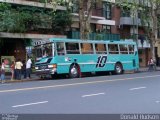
(16, 81)
(38, 79)
(129, 72)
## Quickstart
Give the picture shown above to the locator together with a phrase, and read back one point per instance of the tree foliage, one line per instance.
(23, 19)
(60, 21)
(20, 19)
(85, 11)
(148, 11)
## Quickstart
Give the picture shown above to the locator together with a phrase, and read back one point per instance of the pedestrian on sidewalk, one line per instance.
(18, 67)
(28, 68)
(3, 71)
(151, 65)
(15, 70)
(12, 70)
(24, 69)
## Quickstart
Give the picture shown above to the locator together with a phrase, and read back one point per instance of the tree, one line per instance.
(84, 13)
(149, 11)
(85, 18)
(21, 19)
(60, 21)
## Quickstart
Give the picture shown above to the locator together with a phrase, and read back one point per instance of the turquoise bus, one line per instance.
(74, 56)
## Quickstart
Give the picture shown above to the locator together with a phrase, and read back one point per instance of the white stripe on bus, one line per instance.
(125, 62)
(91, 63)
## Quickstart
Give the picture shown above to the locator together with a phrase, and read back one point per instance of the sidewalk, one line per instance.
(142, 69)
(34, 77)
(145, 69)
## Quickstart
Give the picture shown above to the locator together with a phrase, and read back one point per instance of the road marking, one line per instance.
(93, 94)
(4, 84)
(65, 85)
(15, 106)
(137, 88)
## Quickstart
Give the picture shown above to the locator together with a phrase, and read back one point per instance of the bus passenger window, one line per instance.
(72, 48)
(60, 48)
(87, 48)
(113, 49)
(123, 49)
(131, 49)
(100, 49)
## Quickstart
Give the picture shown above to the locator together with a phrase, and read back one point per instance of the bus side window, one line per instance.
(123, 49)
(87, 48)
(60, 48)
(100, 49)
(113, 49)
(72, 48)
(131, 49)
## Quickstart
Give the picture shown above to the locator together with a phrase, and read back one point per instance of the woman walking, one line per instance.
(3, 71)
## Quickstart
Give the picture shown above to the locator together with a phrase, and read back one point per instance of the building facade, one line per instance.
(22, 22)
(19, 38)
(108, 22)
(131, 26)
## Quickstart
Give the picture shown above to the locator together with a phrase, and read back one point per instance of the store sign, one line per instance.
(29, 51)
(40, 42)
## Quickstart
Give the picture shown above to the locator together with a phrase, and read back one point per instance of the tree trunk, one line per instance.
(152, 44)
(85, 18)
(152, 49)
(81, 18)
(154, 30)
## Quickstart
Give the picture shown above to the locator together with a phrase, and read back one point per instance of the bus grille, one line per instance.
(43, 67)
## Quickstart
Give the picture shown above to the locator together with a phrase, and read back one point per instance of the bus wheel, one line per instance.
(74, 71)
(118, 68)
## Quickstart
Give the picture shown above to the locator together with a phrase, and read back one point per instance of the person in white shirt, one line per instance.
(28, 68)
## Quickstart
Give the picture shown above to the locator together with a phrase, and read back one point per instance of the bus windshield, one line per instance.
(44, 50)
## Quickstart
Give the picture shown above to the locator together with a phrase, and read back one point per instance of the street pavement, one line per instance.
(108, 94)
(34, 77)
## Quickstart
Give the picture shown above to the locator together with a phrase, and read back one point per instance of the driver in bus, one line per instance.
(45, 54)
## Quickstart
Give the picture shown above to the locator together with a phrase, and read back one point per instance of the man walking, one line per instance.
(28, 68)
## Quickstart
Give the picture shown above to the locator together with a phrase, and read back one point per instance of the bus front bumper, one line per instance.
(45, 72)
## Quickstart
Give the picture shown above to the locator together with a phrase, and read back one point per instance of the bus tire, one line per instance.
(118, 68)
(74, 71)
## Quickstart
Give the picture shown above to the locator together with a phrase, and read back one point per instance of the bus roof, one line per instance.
(91, 41)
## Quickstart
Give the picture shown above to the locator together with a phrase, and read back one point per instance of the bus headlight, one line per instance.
(36, 68)
(52, 66)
